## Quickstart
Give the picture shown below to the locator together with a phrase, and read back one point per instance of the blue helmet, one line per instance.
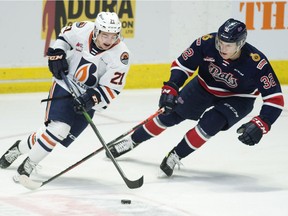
(232, 31)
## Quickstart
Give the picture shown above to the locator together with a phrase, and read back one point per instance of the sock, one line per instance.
(147, 131)
(26, 144)
(192, 140)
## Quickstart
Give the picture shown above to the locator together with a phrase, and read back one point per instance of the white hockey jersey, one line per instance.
(89, 67)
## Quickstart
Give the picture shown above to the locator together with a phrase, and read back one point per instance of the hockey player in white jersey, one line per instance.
(96, 62)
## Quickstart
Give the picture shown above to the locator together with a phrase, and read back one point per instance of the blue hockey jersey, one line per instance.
(248, 76)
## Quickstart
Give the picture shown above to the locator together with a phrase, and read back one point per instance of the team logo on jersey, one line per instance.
(79, 47)
(261, 64)
(221, 76)
(80, 24)
(255, 57)
(85, 74)
(124, 58)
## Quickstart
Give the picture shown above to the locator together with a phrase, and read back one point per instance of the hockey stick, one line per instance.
(25, 181)
(158, 112)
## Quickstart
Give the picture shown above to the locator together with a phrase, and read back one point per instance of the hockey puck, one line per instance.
(125, 201)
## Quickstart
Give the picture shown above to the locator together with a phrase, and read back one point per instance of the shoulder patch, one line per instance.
(255, 57)
(207, 37)
(80, 24)
(124, 58)
(261, 64)
(204, 38)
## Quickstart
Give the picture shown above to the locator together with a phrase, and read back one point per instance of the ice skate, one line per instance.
(25, 168)
(10, 155)
(169, 162)
(121, 147)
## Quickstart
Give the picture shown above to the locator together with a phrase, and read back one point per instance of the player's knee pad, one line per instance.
(58, 129)
(212, 122)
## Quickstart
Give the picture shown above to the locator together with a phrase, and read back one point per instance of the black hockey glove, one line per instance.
(169, 97)
(252, 132)
(86, 101)
(57, 62)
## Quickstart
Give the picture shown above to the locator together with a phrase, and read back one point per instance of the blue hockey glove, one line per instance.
(169, 97)
(86, 101)
(57, 62)
(252, 132)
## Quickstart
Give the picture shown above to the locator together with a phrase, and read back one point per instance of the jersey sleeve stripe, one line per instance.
(276, 100)
(177, 65)
(103, 94)
(273, 105)
(110, 92)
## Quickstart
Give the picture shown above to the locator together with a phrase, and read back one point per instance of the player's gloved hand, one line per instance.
(57, 62)
(169, 96)
(86, 100)
(252, 132)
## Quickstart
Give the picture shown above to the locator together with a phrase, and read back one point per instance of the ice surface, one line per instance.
(223, 178)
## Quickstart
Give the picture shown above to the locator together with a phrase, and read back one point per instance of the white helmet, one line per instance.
(107, 22)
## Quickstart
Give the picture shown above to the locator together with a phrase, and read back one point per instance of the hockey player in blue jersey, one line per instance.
(231, 74)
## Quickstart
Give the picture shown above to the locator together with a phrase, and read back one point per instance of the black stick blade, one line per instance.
(134, 184)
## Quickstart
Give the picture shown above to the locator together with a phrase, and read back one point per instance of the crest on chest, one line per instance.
(220, 76)
(85, 74)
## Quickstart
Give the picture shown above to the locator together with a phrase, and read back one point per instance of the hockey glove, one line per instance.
(57, 62)
(86, 101)
(252, 132)
(169, 96)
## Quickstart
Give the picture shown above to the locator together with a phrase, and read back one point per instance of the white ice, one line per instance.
(223, 178)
